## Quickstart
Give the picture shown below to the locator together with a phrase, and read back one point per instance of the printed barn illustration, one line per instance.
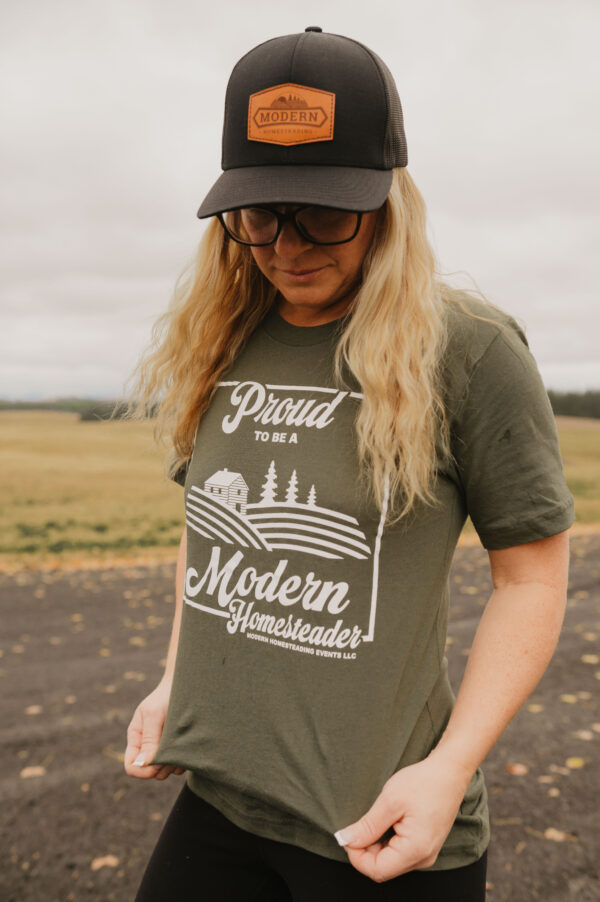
(230, 488)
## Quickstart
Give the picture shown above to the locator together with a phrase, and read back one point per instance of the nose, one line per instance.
(290, 242)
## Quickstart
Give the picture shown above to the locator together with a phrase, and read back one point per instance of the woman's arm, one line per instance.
(146, 726)
(513, 645)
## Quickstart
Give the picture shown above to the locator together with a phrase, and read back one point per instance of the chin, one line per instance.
(297, 299)
(310, 294)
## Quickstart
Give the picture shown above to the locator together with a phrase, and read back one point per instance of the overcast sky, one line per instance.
(111, 129)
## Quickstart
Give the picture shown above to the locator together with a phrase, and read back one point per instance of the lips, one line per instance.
(301, 275)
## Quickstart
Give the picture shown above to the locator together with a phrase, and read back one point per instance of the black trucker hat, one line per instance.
(310, 118)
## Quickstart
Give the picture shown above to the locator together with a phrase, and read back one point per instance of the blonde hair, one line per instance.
(393, 344)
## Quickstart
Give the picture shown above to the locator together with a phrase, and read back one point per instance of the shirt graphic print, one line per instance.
(283, 562)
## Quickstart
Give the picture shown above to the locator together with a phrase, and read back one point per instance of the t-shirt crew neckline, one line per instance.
(287, 333)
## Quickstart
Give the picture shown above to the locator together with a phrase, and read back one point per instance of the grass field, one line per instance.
(73, 491)
(580, 447)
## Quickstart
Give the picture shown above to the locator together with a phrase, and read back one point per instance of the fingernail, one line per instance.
(139, 761)
(341, 837)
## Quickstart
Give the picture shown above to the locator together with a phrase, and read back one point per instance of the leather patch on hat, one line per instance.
(291, 114)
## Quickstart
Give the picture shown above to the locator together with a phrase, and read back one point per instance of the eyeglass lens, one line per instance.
(321, 225)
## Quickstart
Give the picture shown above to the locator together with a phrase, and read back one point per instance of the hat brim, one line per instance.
(343, 187)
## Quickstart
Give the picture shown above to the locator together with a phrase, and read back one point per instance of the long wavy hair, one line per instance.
(393, 344)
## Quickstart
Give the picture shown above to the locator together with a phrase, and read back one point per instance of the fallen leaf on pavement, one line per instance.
(590, 659)
(112, 753)
(109, 861)
(33, 771)
(558, 835)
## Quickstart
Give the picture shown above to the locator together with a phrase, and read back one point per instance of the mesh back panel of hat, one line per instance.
(394, 151)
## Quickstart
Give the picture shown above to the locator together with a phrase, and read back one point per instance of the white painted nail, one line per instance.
(139, 761)
(341, 841)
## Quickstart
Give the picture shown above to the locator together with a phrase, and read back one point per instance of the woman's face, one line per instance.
(316, 282)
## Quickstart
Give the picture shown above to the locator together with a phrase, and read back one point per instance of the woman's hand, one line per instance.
(143, 736)
(511, 650)
(420, 803)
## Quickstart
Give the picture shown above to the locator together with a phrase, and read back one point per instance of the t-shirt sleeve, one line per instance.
(178, 474)
(506, 449)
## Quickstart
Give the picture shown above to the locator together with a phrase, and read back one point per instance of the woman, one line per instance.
(336, 411)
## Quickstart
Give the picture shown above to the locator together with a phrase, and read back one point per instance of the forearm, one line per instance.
(514, 642)
(513, 645)
(179, 586)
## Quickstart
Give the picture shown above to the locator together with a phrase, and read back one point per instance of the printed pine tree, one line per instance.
(312, 497)
(269, 492)
(292, 489)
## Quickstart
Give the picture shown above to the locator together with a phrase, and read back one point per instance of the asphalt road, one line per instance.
(80, 648)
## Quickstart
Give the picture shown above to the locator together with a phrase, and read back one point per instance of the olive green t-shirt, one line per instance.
(311, 663)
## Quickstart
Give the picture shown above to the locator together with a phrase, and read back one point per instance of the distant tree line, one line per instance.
(575, 404)
(104, 410)
(87, 408)
(109, 410)
(74, 405)
(569, 404)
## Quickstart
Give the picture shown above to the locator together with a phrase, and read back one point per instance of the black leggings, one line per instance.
(202, 857)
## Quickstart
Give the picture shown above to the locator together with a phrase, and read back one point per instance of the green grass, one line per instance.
(72, 490)
(580, 447)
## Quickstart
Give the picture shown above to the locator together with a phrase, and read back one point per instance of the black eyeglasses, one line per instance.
(260, 226)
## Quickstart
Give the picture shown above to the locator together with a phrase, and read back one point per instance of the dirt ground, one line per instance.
(80, 648)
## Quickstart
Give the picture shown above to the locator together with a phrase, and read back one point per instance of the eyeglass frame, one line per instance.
(282, 218)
